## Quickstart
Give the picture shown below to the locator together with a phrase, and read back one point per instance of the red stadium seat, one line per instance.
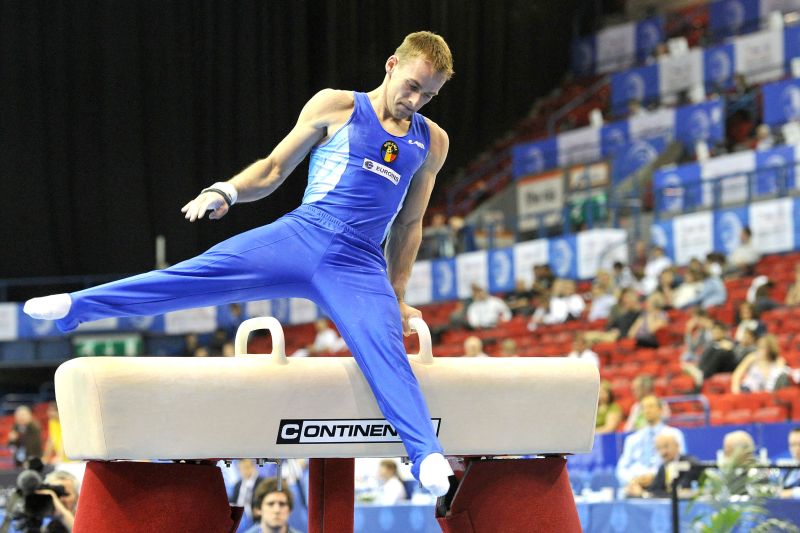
(767, 415)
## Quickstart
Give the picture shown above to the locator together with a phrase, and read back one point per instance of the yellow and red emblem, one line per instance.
(389, 151)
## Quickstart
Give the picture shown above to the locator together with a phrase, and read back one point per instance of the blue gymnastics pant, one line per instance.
(305, 254)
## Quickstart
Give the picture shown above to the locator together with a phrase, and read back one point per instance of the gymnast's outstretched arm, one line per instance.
(406, 234)
(261, 178)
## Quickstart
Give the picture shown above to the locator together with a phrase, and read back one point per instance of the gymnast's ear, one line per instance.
(391, 63)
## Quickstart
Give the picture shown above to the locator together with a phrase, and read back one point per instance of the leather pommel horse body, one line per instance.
(117, 410)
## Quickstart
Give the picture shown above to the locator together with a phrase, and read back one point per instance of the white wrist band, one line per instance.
(227, 188)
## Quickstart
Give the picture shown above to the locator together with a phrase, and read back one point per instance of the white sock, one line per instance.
(48, 307)
(434, 472)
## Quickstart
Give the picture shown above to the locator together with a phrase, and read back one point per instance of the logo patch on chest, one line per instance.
(381, 170)
(389, 151)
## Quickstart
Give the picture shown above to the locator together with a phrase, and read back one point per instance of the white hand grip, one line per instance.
(275, 330)
(425, 355)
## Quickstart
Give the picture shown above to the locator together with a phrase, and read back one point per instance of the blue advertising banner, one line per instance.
(636, 84)
(781, 101)
(534, 157)
(501, 270)
(661, 235)
(633, 156)
(700, 122)
(613, 136)
(775, 170)
(584, 56)
(731, 17)
(562, 255)
(728, 225)
(719, 65)
(679, 188)
(649, 33)
(443, 272)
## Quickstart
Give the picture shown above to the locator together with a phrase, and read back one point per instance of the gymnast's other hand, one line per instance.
(407, 312)
(206, 201)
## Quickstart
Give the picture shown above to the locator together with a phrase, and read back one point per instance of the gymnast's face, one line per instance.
(412, 83)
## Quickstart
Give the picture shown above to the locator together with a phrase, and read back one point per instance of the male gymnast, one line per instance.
(374, 160)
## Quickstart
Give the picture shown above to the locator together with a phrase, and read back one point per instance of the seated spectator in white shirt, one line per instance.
(744, 258)
(486, 310)
(473, 347)
(657, 262)
(390, 487)
(326, 341)
(687, 292)
(564, 305)
(581, 349)
(639, 458)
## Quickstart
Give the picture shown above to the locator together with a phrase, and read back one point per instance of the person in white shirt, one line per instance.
(564, 305)
(581, 350)
(473, 347)
(326, 341)
(639, 457)
(745, 256)
(486, 311)
(790, 480)
(390, 487)
(655, 265)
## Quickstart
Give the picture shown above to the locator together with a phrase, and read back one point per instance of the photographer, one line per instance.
(64, 506)
(53, 502)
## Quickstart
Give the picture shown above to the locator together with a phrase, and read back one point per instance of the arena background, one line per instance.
(114, 114)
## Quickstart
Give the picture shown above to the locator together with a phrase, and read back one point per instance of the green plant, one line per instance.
(737, 494)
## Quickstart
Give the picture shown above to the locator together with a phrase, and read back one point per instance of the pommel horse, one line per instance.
(117, 412)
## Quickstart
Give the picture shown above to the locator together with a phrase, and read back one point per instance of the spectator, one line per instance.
(54, 446)
(639, 457)
(697, 335)
(274, 507)
(609, 413)
(620, 320)
(757, 283)
(790, 480)
(244, 490)
(688, 292)
(473, 347)
(64, 507)
(438, 238)
(656, 264)
(600, 305)
(738, 457)
(764, 139)
(463, 235)
(649, 323)
(604, 282)
(563, 305)
(745, 257)
(581, 349)
(746, 346)
(25, 437)
(486, 310)
(793, 295)
(667, 283)
(220, 345)
(508, 348)
(660, 484)
(519, 300)
(325, 341)
(763, 302)
(543, 279)
(712, 291)
(748, 320)
(641, 387)
(718, 357)
(623, 278)
(763, 370)
(390, 487)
